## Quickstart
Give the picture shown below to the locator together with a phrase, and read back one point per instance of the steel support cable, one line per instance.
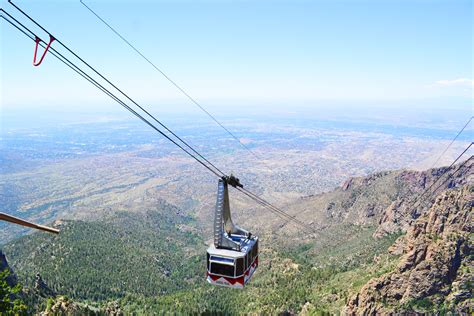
(452, 141)
(105, 90)
(449, 177)
(172, 82)
(439, 157)
(115, 87)
(425, 191)
(452, 174)
(423, 203)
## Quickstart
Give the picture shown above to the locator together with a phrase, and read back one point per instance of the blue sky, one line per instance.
(258, 51)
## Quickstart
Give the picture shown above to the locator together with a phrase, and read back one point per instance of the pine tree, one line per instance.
(10, 304)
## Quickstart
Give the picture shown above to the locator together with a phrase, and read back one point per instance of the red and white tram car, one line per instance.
(233, 257)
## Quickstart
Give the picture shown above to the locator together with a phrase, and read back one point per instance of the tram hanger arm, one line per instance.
(19, 221)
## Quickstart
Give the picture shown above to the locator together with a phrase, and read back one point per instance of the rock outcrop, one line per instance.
(436, 271)
(41, 288)
(11, 279)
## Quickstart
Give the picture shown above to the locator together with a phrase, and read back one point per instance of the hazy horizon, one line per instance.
(397, 53)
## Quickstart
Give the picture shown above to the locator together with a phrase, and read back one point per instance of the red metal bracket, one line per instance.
(38, 40)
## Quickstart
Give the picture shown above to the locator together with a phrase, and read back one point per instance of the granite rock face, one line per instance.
(405, 208)
(435, 271)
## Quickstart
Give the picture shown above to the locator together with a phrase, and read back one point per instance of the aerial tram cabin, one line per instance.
(233, 257)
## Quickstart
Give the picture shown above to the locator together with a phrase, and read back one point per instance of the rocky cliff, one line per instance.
(405, 209)
(11, 279)
(435, 272)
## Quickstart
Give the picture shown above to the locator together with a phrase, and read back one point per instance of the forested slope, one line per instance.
(149, 261)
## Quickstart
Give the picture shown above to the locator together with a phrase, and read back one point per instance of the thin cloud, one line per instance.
(461, 82)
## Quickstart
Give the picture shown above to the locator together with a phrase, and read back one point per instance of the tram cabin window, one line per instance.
(222, 269)
(239, 266)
